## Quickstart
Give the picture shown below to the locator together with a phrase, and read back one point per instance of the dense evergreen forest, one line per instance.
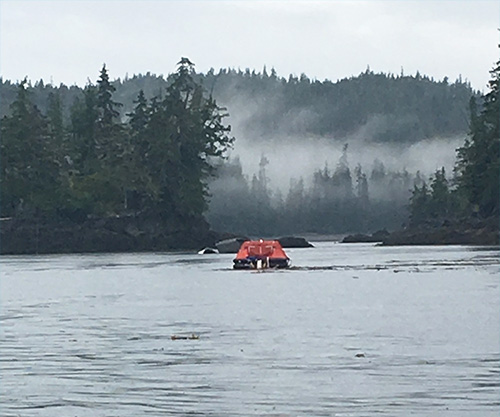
(153, 147)
(474, 190)
(152, 166)
(401, 108)
(354, 200)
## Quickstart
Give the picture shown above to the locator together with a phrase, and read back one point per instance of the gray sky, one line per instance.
(68, 41)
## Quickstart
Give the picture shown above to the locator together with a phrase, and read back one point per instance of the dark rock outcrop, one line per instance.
(294, 242)
(466, 232)
(113, 234)
(477, 232)
(378, 236)
(231, 245)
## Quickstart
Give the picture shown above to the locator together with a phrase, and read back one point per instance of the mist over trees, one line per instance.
(395, 108)
(333, 200)
(151, 145)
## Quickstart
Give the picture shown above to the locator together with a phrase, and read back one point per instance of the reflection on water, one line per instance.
(350, 330)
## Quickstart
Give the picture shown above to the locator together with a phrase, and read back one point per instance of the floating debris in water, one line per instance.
(190, 337)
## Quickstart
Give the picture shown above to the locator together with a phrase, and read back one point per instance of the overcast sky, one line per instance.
(68, 41)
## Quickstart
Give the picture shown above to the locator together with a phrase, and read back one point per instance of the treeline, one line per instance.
(331, 201)
(95, 164)
(393, 108)
(358, 200)
(147, 146)
(473, 190)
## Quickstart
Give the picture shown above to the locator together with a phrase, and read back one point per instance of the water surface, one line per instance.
(350, 330)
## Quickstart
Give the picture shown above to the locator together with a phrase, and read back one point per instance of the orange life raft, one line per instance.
(257, 254)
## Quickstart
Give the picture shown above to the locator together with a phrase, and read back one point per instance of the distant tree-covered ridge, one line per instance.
(399, 108)
(362, 199)
(394, 108)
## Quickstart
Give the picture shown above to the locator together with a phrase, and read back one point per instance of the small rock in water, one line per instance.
(360, 355)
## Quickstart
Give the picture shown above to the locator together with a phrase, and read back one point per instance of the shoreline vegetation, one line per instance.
(469, 232)
(97, 182)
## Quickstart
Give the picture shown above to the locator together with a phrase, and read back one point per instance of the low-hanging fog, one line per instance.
(292, 153)
(290, 163)
(331, 157)
(295, 157)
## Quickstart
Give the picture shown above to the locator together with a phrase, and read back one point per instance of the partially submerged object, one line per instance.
(190, 337)
(208, 250)
(260, 254)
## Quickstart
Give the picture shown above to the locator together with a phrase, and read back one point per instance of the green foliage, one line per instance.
(440, 195)
(139, 117)
(328, 202)
(432, 205)
(29, 160)
(84, 152)
(477, 171)
(178, 135)
(402, 109)
(83, 130)
(55, 118)
(478, 166)
(96, 165)
(107, 108)
(392, 108)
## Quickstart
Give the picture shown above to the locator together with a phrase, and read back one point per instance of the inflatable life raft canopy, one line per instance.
(257, 254)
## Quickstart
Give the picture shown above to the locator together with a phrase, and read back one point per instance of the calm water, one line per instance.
(351, 330)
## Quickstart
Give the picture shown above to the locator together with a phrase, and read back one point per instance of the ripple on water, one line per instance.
(311, 341)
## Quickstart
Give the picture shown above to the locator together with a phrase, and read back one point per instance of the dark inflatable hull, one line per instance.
(253, 264)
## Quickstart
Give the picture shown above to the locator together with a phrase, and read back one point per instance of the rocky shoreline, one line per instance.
(117, 234)
(468, 232)
(134, 234)
(113, 234)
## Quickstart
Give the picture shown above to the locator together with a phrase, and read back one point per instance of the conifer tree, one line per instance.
(478, 165)
(83, 114)
(419, 205)
(28, 166)
(107, 108)
(439, 204)
(361, 187)
(185, 131)
(139, 117)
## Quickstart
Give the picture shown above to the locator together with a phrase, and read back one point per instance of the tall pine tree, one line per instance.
(478, 166)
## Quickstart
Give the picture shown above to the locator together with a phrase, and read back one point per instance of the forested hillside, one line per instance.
(342, 149)
(397, 108)
(400, 108)
(150, 147)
